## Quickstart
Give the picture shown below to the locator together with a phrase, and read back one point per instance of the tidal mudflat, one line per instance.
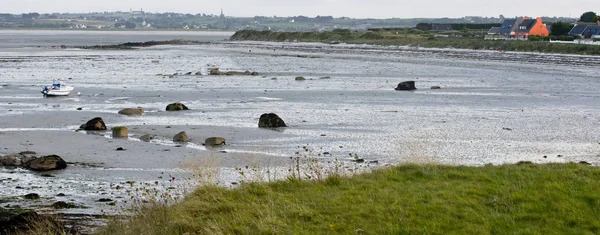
(492, 108)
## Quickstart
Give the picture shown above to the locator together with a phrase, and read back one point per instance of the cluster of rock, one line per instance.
(29, 160)
(266, 120)
(216, 71)
(180, 74)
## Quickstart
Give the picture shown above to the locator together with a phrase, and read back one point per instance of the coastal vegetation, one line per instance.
(522, 198)
(466, 39)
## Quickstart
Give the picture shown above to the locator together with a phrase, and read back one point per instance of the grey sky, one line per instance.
(336, 8)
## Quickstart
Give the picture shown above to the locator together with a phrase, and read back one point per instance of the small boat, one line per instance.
(57, 89)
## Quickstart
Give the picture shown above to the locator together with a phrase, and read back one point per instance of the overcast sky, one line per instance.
(336, 8)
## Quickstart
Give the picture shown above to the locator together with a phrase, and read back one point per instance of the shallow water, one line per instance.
(493, 108)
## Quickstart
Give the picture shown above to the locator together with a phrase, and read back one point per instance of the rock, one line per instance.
(176, 107)
(300, 79)
(435, 87)
(254, 74)
(28, 153)
(146, 137)
(215, 71)
(10, 160)
(47, 163)
(181, 137)
(188, 73)
(13, 222)
(120, 149)
(105, 200)
(273, 78)
(406, 86)
(96, 124)
(32, 196)
(198, 73)
(120, 132)
(585, 163)
(270, 120)
(80, 109)
(132, 111)
(212, 141)
(326, 77)
(61, 205)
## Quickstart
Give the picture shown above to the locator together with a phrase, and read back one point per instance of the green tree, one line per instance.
(589, 16)
(561, 28)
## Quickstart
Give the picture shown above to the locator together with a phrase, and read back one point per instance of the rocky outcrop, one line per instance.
(406, 86)
(46, 163)
(120, 132)
(181, 137)
(176, 107)
(270, 120)
(96, 124)
(132, 111)
(212, 141)
(216, 71)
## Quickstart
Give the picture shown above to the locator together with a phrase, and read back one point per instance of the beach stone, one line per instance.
(406, 86)
(61, 205)
(300, 78)
(146, 137)
(96, 124)
(435, 87)
(215, 71)
(176, 107)
(47, 163)
(270, 120)
(10, 160)
(32, 196)
(181, 137)
(132, 111)
(120, 132)
(254, 74)
(212, 141)
(326, 77)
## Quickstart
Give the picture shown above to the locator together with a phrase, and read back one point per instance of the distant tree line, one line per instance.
(456, 26)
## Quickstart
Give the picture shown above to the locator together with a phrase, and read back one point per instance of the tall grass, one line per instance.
(407, 199)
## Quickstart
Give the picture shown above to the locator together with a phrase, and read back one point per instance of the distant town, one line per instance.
(141, 20)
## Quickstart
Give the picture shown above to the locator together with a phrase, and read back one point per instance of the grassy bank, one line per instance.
(417, 38)
(408, 199)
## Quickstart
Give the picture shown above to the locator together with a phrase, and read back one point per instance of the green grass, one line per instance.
(408, 199)
(417, 38)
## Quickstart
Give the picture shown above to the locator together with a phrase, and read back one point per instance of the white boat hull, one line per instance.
(62, 91)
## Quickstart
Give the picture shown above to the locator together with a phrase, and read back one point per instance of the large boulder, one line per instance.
(300, 79)
(212, 141)
(270, 120)
(176, 107)
(120, 132)
(47, 163)
(10, 160)
(132, 111)
(96, 124)
(181, 137)
(406, 86)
